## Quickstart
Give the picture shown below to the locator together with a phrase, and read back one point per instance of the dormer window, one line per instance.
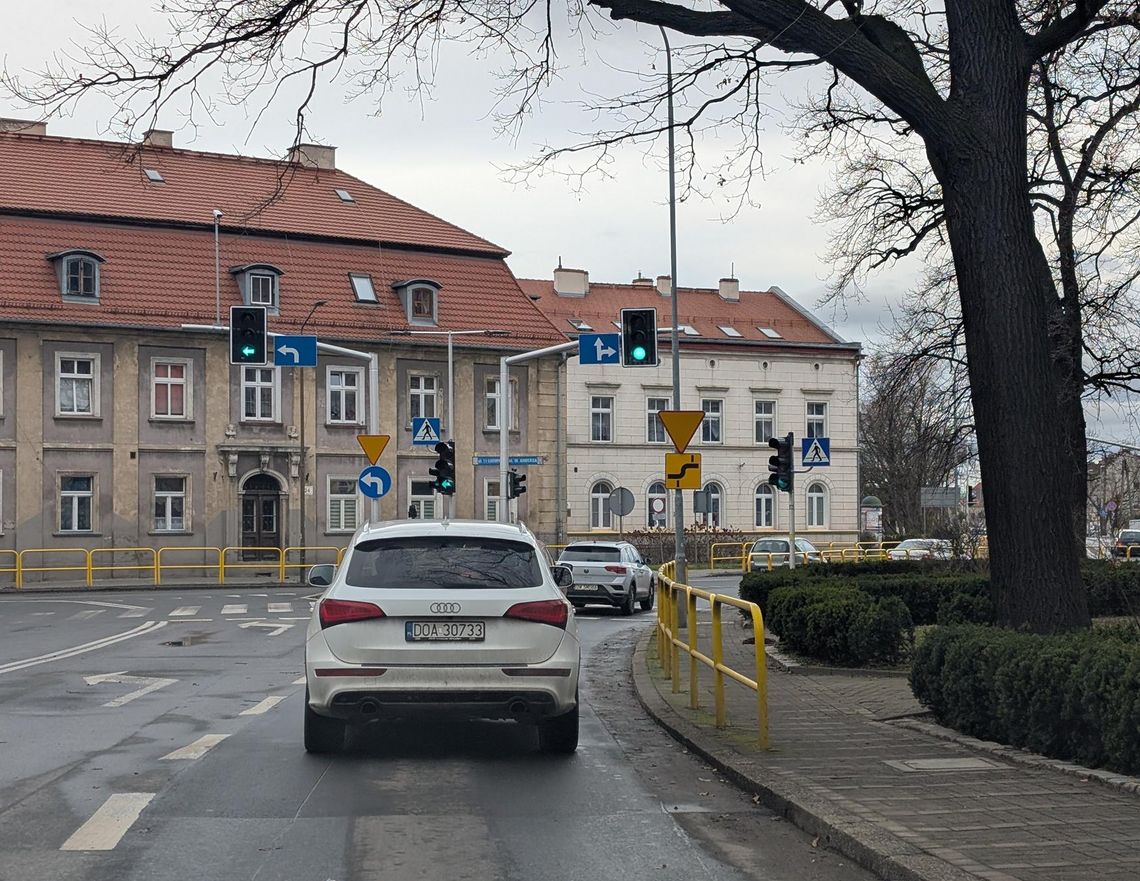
(420, 298)
(78, 273)
(259, 284)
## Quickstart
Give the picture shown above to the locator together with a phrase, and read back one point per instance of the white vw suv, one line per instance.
(447, 618)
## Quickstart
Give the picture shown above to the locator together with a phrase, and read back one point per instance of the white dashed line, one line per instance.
(235, 609)
(280, 607)
(197, 749)
(184, 611)
(264, 707)
(87, 613)
(110, 823)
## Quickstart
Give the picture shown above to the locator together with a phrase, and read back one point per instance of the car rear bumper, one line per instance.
(511, 691)
(609, 594)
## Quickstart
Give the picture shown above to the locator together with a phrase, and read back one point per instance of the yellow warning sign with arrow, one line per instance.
(373, 445)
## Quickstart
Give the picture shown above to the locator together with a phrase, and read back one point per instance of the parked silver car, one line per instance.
(775, 549)
(922, 549)
(609, 572)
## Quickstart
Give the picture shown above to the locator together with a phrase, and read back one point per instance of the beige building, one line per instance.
(755, 362)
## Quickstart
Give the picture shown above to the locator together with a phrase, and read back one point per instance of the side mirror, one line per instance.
(563, 576)
(322, 575)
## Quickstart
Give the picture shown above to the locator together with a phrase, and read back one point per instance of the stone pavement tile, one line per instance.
(1002, 822)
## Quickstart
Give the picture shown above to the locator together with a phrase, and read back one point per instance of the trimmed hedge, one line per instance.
(1074, 697)
(839, 625)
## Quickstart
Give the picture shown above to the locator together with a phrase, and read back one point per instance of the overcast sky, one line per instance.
(442, 154)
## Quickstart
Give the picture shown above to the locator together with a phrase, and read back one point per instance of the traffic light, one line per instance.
(444, 470)
(639, 338)
(247, 335)
(782, 465)
(516, 484)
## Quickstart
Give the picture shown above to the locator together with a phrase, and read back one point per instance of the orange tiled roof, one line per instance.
(701, 308)
(75, 176)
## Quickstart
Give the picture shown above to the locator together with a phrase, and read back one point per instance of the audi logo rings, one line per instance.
(444, 608)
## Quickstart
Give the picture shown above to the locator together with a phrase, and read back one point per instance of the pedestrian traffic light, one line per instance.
(639, 338)
(782, 465)
(247, 335)
(444, 470)
(516, 484)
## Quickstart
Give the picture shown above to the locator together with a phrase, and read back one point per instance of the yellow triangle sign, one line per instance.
(681, 424)
(373, 445)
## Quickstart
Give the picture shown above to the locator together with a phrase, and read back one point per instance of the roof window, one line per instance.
(154, 175)
(770, 333)
(688, 330)
(362, 287)
(728, 331)
(260, 284)
(579, 324)
(345, 196)
(420, 298)
(78, 272)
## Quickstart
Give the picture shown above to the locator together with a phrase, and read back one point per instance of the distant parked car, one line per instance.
(922, 549)
(1128, 538)
(611, 573)
(776, 549)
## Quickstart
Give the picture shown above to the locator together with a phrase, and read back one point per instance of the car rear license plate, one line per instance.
(444, 631)
(587, 587)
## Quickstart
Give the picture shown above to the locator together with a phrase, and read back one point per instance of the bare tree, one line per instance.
(967, 102)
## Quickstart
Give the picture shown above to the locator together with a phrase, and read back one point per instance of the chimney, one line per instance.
(157, 137)
(313, 156)
(571, 282)
(730, 289)
(642, 282)
(22, 126)
(665, 285)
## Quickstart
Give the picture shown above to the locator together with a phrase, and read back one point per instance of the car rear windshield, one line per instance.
(1130, 535)
(599, 553)
(770, 546)
(454, 562)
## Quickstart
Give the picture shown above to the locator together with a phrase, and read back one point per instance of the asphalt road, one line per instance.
(157, 735)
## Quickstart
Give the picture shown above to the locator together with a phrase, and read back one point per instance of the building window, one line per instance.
(170, 392)
(259, 394)
(657, 505)
(423, 499)
(80, 277)
(263, 290)
(601, 418)
(600, 515)
(713, 495)
(654, 427)
(169, 504)
(342, 510)
(423, 305)
(765, 420)
(421, 396)
(817, 419)
(362, 287)
(491, 404)
(817, 505)
(491, 499)
(765, 506)
(344, 396)
(75, 494)
(710, 425)
(78, 385)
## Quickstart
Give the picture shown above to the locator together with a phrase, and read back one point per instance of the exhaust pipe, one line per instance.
(518, 707)
(369, 708)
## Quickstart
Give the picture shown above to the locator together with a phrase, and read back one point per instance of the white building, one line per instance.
(757, 363)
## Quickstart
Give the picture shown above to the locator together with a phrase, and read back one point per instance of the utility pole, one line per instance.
(304, 451)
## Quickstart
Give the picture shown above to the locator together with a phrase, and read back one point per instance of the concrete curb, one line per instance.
(873, 848)
(788, 664)
(1121, 782)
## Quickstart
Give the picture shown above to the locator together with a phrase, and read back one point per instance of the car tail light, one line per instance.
(342, 611)
(620, 570)
(552, 612)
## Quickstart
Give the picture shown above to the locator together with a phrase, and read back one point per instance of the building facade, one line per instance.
(122, 421)
(756, 363)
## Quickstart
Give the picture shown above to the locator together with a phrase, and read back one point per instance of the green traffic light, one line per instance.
(638, 353)
(248, 351)
(447, 484)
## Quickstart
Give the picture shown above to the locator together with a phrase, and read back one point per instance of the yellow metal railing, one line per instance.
(741, 548)
(670, 644)
(156, 561)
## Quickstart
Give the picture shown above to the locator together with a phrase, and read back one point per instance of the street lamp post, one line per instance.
(304, 452)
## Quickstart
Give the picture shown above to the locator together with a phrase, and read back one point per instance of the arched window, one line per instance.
(817, 505)
(600, 516)
(657, 505)
(765, 506)
(713, 494)
(78, 272)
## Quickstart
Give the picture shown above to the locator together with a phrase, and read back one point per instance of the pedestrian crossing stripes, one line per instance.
(280, 607)
(185, 611)
(235, 609)
(87, 613)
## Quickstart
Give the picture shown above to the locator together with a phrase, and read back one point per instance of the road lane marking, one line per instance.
(263, 707)
(299, 681)
(110, 823)
(153, 684)
(280, 607)
(277, 629)
(235, 609)
(61, 654)
(37, 614)
(136, 612)
(197, 749)
(184, 612)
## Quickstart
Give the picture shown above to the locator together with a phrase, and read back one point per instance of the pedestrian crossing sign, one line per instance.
(816, 451)
(425, 432)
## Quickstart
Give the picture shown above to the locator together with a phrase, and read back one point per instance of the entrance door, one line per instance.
(260, 516)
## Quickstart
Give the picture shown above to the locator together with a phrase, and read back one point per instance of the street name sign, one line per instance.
(599, 348)
(373, 445)
(295, 351)
(513, 460)
(683, 470)
(816, 451)
(681, 424)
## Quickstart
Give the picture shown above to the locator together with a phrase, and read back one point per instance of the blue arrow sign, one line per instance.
(599, 348)
(816, 451)
(425, 431)
(375, 482)
(295, 351)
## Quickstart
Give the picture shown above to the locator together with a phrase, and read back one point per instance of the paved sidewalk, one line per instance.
(903, 803)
